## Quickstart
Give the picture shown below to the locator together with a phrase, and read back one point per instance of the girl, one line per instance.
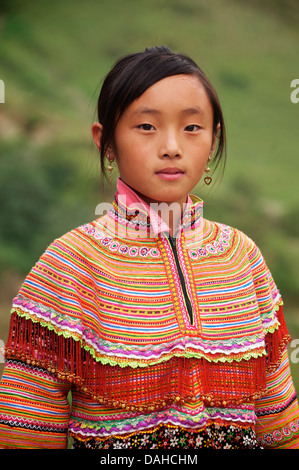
(167, 328)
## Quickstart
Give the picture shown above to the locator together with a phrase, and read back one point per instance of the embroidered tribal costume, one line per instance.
(164, 342)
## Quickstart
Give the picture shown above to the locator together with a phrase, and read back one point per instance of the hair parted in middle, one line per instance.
(133, 74)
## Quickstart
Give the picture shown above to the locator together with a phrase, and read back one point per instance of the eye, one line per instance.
(192, 128)
(146, 127)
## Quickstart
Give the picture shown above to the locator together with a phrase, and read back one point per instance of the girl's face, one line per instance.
(164, 138)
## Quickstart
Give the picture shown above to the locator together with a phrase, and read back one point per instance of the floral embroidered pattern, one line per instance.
(165, 437)
(121, 248)
(280, 435)
(217, 246)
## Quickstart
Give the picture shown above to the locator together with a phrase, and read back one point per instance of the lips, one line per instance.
(170, 171)
(170, 174)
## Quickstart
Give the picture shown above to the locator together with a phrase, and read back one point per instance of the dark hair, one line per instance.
(133, 74)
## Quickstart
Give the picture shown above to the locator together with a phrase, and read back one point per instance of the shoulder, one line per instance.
(212, 229)
(237, 248)
(68, 257)
(77, 241)
(61, 275)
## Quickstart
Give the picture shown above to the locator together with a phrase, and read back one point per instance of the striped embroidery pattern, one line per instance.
(106, 315)
(278, 410)
(141, 316)
(43, 421)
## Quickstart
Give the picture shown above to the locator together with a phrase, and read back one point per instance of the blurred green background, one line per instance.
(53, 57)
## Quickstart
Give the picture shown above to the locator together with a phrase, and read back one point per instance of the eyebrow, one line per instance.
(145, 110)
(187, 111)
(194, 110)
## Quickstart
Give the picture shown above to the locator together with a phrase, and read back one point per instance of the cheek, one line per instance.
(127, 151)
(200, 158)
(129, 154)
(128, 161)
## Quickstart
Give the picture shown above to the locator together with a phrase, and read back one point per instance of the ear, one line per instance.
(215, 139)
(97, 130)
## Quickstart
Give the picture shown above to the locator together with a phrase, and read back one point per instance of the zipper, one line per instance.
(172, 241)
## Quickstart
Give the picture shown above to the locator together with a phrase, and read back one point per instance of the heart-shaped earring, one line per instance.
(207, 179)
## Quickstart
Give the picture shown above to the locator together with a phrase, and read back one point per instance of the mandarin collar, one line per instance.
(132, 210)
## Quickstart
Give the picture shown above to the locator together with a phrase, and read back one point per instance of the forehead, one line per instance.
(182, 93)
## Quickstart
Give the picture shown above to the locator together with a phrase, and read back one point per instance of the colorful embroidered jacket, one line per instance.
(163, 341)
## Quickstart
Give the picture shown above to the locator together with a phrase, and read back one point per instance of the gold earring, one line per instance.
(208, 179)
(110, 167)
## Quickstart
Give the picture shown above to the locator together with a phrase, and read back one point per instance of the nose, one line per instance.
(170, 145)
